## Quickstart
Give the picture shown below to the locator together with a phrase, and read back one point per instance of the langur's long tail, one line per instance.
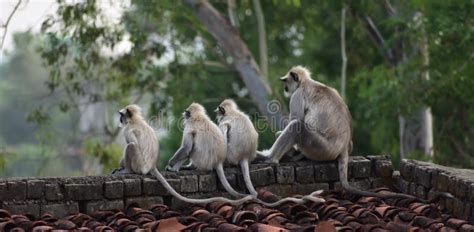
(246, 173)
(225, 183)
(311, 197)
(343, 164)
(173, 192)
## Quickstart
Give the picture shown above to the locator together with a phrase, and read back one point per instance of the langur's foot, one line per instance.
(120, 171)
(189, 167)
(264, 157)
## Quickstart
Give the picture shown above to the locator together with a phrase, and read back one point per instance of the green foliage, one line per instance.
(109, 155)
(173, 61)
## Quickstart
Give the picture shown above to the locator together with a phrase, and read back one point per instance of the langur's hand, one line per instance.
(174, 168)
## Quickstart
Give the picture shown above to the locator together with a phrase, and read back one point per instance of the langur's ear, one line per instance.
(128, 113)
(222, 110)
(295, 76)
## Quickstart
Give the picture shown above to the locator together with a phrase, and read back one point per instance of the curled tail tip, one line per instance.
(318, 192)
(264, 152)
(314, 199)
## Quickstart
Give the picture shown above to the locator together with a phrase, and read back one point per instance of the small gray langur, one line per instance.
(142, 152)
(320, 126)
(205, 145)
(240, 136)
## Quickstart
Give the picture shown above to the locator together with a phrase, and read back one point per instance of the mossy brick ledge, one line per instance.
(424, 179)
(61, 196)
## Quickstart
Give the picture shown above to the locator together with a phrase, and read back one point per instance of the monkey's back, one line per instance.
(326, 115)
(242, 140)
(148, 146)
(209, 146)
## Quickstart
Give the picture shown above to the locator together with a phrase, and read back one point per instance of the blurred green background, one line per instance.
(409, 75)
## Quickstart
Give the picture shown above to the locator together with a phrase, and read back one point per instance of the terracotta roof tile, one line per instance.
(340, 212)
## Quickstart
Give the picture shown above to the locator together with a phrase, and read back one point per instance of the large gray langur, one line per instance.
(142, 152)
(320, 126)
(205, 145)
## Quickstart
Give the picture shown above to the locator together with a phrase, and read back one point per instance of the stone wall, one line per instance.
(62, 196)
(423, 179)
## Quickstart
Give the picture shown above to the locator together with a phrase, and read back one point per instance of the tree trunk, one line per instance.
(243, 61)
(415, 129)
(343, 53)
(262, 39)
(426, 116)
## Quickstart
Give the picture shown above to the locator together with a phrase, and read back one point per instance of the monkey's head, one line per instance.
(294, 78)
(194, 110)
(228, 105)
(129, 114)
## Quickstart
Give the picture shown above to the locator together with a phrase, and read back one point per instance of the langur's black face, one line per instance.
(187, 114)
(291, 81)
(125, 115)
(220, 112)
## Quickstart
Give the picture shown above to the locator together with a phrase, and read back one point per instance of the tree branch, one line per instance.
(243, 61)
(8, 22)
(262, 38)
(231, 11)
(379, 41)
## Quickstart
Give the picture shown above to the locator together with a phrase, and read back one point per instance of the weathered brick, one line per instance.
(151, 187)
(207, 183)
(449, 205)
(361, 184)
(285, 174)
(458, 209)
(421, 191)
(407, 170)
(35, 189)
(403, 185)
(377, 183)
(189, 184)
(132, 187)
(467, 211)
(412, 189)
(304, 189)
(471, 193)
(53, 192)
(452, 184)
(262, 176)
(92, 191)
(174, 183)
(3, 191)
(305, 174)
(434, 177)
(232, 179)
(443, 181)
(423, 176)
(383, 168)
(23, 208)
(93, 206)
(113, 189)
(16, 190)
(60, 210)
(326, 172)
(359, 167)
(145, 202)
(461, 188)
(471, 217)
